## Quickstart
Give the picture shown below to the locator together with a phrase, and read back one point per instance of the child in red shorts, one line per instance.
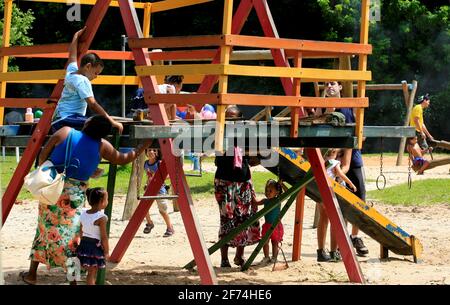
(273, 189)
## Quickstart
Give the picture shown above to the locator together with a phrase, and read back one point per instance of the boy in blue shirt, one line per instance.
(77, 94)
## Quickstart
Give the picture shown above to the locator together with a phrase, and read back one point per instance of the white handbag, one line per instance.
(45, 183)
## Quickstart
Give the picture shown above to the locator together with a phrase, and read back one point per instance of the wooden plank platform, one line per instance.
(252, 135)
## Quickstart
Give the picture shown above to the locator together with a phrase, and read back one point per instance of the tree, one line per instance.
(21, 24)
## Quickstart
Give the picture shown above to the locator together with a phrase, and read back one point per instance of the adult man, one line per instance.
(416, 121)
(351, 163)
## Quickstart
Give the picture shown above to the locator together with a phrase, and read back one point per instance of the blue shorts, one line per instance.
(75, 121)
(418, 161)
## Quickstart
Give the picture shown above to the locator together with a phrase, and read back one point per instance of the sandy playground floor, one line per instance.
(152, 259)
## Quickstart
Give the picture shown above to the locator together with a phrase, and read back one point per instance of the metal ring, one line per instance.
(378, 182)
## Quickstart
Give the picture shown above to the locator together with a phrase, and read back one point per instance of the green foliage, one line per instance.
(21, 24)
(430, 191)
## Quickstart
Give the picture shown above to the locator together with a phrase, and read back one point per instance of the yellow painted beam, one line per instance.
(173, 4)
(225, 53)
(156, 7)
(306, 74)
(147, 18)
(32, 75)
(5, 43)
(361, 92)
(114, 3)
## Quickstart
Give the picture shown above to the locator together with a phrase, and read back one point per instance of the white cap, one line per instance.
(29, 110)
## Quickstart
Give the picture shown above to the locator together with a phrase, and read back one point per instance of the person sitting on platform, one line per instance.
(420, 164)
(77, 94)
(352, 162)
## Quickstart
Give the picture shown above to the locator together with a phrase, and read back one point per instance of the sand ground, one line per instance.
(153, 259)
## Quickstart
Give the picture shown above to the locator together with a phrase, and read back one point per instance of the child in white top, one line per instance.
(93, 250)
(334, 171)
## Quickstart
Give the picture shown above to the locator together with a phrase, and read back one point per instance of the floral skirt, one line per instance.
(58, 230)
(234, 199)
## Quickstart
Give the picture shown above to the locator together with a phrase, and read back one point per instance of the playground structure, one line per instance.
(218, 71)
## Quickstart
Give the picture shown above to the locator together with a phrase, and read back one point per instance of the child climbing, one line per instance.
(273, 189)
(151, 167)
(94, 246)
(77, 94)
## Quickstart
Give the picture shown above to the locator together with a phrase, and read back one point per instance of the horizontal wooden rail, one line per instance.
(180, 55)
(113, 80)
(155, 6)
(296, 44)
(306, 74)
(32, 75)
(27, 102)
(342, 48)
(256, 100)
(376, 87)
(36, 49)
(177, 42)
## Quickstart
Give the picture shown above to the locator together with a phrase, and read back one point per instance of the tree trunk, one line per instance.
(135, 179)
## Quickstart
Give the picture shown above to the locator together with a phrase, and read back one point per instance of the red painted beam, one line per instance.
(269, 29)
(139, 214)
(239, 19)
(334, 213)
(173, 165)
(43, 127)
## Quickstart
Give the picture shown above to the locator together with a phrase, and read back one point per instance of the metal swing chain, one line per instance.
(138, 174)
(381, 176)
(409, 171)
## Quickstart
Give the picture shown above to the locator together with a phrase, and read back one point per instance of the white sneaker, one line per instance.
(266, 261)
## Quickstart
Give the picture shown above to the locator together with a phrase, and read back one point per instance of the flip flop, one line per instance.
(23, 275)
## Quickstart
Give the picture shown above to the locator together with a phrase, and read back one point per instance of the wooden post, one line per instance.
(405, 90)
(223, 79)
(112, 172)
(412, 96)
(5, 43)
(363, 39)
(298, 225)
(384, 252)
(335, 215)
(174, 165)
(316, 216)
(347, 87)
(147, 18)
(131, 201)
(296, 92)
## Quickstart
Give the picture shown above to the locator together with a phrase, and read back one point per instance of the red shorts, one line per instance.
(277, 234)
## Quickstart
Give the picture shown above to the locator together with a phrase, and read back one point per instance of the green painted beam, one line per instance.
(272, 204)
(269, 232)
(112, 172)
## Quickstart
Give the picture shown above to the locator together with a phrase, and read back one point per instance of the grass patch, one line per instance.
(200, 186)
(423, 193)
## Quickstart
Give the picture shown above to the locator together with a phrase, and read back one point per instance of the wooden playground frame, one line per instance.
(219, 70)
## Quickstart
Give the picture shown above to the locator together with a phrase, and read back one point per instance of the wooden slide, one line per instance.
(293, 167)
